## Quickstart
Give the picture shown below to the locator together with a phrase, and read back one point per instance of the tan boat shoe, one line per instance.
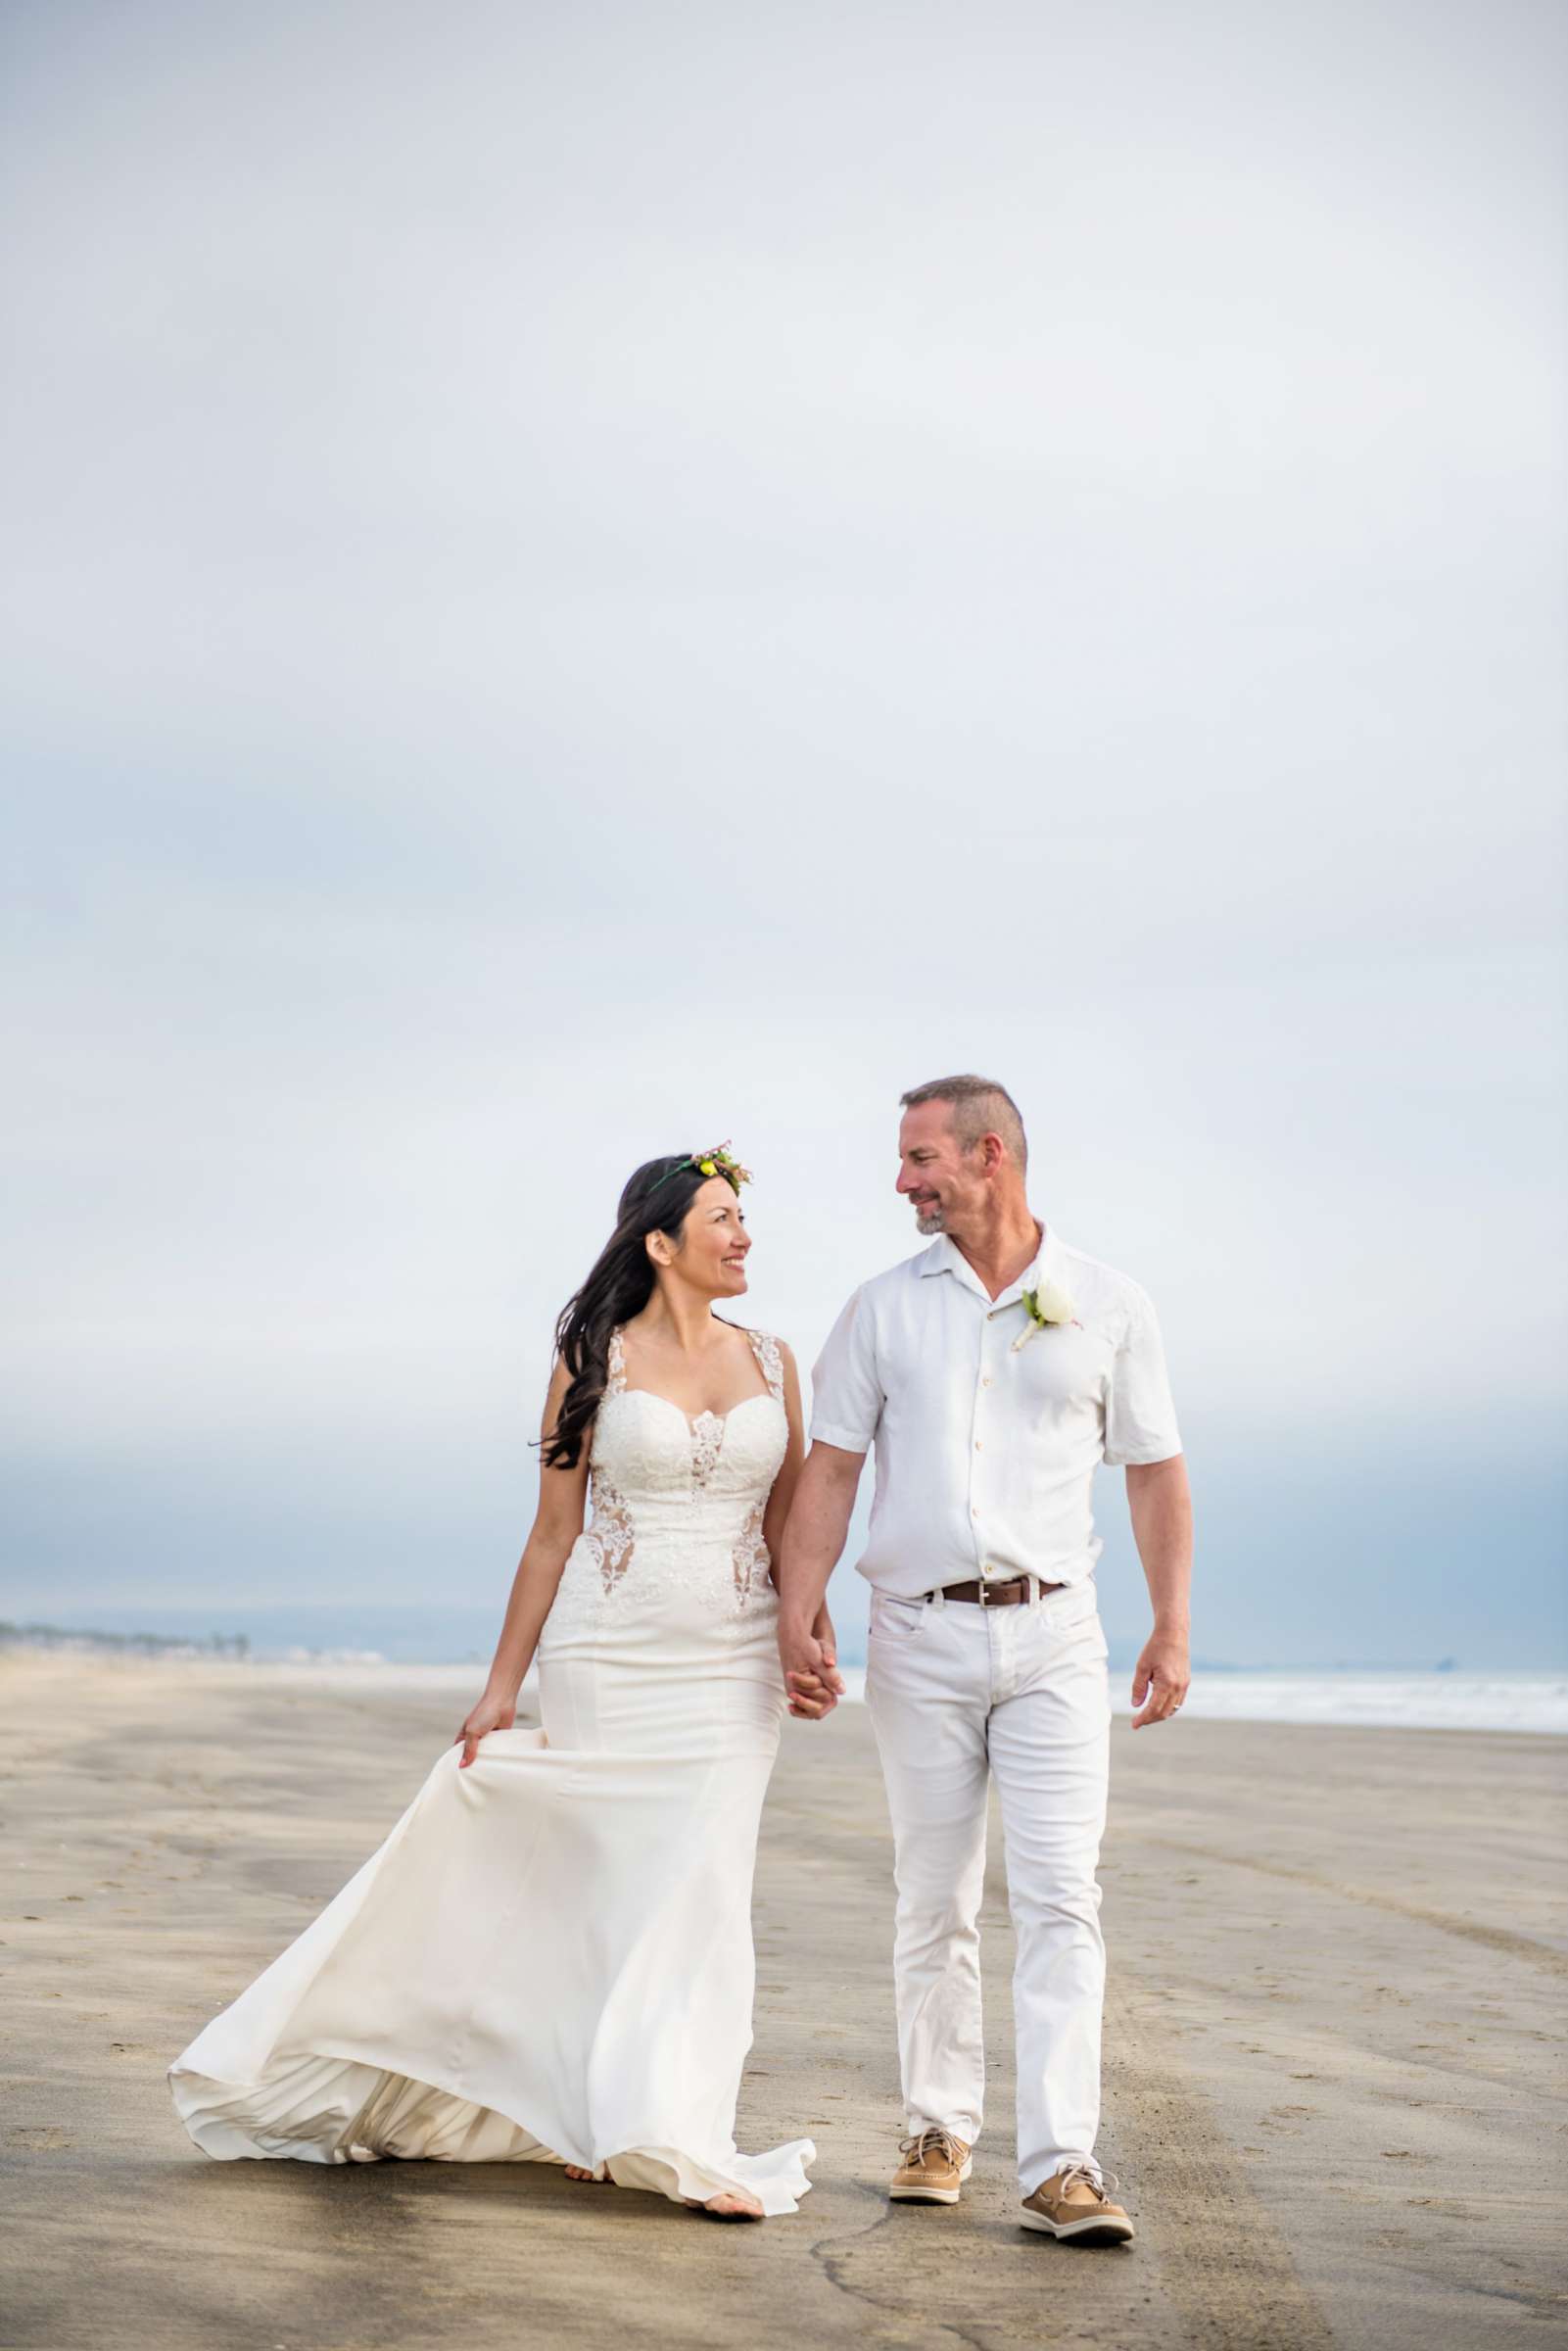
(934, 2168)
(1073, 2202)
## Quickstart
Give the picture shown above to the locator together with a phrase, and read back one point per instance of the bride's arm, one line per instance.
(776, 1513)
(557, 1523)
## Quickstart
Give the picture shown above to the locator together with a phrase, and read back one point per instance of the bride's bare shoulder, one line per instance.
(757, 1336)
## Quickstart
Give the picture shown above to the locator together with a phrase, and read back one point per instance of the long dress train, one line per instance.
(549, 1960)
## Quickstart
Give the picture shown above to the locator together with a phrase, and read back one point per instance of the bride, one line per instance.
(549, 1960)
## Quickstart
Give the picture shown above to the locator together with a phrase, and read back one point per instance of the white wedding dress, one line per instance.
(549, 1960)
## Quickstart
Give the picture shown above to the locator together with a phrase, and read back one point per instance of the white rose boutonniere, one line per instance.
(1047, 1308)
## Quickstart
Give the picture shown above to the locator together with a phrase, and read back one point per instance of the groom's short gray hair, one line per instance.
(980, 1106)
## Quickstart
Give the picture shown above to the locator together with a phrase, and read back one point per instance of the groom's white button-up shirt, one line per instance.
(985, 1454)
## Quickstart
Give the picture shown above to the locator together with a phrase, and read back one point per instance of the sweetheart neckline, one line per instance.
(695, 1420)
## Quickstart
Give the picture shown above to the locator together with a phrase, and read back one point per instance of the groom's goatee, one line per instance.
(930, 1220)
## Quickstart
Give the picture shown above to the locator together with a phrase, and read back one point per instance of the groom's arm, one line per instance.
(1160, 1502)
(1141, 1438)
(813, 1540)
(846, 1411)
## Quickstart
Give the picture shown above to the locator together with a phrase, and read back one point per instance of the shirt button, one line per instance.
(979, 1447)
(986, 1379)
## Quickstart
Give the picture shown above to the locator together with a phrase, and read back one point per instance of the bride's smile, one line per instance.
(715, 1245)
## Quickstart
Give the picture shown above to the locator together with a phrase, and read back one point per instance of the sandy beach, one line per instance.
(1334, 2053)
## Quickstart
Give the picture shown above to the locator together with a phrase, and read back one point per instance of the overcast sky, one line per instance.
(584, 580)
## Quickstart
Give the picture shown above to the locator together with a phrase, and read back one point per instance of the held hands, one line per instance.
(1160, 1677)
(491, 1714)
(810, 1661)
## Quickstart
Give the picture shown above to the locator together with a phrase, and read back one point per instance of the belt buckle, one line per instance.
(986, 1602)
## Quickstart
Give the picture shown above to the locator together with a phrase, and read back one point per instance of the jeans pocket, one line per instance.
(897, 1619)
(1078, 1623)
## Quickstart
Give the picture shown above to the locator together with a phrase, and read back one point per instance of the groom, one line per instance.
(992, 1373)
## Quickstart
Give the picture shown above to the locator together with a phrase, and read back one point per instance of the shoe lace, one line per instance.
(1097, 2183)
(917, 2147)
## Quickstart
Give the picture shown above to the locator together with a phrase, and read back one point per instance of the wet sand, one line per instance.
(1334, 2054)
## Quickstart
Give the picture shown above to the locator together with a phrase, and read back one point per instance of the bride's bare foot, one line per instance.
(734, 2207)
(575, 2171)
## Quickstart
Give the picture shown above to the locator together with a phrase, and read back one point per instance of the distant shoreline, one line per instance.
(98, 1641)
(1527, 1703)
(89, 1641)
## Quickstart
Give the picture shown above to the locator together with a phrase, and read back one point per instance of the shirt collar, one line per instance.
(944, 1256)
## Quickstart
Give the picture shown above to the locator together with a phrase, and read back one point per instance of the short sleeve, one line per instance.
(846, 1388)
(1140, 1418)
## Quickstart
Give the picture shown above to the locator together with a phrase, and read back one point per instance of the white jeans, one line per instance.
(958, 1692)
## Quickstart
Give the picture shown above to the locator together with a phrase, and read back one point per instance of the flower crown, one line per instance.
(717, 1161)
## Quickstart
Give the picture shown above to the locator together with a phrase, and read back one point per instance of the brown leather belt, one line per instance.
(996, 1594)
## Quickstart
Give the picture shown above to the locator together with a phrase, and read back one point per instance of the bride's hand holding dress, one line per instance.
(491, 1714)
(556, 1529)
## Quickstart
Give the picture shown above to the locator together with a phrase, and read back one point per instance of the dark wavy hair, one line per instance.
(655, 1199)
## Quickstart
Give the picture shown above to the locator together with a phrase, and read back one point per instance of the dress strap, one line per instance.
(765, 1347)
(615, 1370)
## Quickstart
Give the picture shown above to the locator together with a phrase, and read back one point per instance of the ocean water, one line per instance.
(1426, 1701)
(448, 1650)
(1416, 1701)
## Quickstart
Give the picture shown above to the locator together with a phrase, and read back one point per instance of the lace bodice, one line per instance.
(676, 1503)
